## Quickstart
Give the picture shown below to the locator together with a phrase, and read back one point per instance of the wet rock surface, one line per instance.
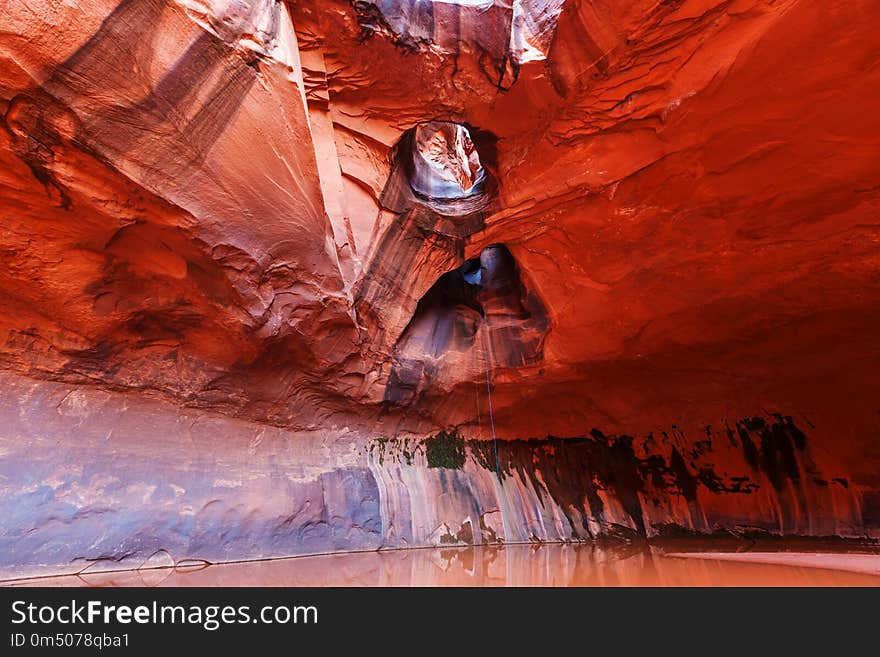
(97, 480)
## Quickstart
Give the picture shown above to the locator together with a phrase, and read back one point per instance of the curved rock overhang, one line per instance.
(211, 206)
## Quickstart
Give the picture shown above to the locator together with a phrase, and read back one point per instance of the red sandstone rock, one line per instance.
(209, 205)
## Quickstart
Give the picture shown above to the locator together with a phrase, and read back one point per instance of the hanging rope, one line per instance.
(489, 395)
(501, 493)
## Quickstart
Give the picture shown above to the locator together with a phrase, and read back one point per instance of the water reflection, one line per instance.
(515, 565)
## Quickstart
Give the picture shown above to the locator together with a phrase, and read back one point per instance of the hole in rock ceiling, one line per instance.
(442, 166)
(473, 273)
(445, 162)
(519, 30)
(489, 292)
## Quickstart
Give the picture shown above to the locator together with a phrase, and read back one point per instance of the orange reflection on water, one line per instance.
(514, 565)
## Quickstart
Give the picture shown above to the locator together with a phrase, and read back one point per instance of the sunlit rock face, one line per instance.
(657, 221)
(508, 33)
(445, 162)
(181, 242)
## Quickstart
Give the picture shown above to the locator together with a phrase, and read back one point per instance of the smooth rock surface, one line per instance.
(95, 480)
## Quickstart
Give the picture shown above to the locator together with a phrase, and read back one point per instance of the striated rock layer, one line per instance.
(96, 480)
(648, 229)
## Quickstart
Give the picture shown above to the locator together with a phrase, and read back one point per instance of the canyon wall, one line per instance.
(233, 317)
(97, 480)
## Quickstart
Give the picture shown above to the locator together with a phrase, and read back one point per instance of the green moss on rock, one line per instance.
(445, 450)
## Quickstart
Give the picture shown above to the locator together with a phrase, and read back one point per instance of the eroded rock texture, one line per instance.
(648, 214)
